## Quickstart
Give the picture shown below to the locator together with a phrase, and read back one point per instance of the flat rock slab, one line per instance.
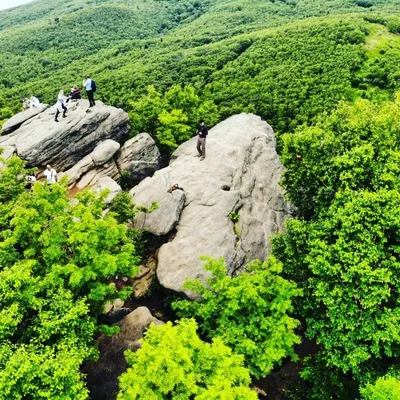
(40, 140)
(17, 120)
(240, 174)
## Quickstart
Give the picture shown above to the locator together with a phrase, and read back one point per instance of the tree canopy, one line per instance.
(343, 176)
(249, 312)
(174, 363)
(57, 259)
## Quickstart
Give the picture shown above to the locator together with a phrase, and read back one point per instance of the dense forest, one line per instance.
(326, 76)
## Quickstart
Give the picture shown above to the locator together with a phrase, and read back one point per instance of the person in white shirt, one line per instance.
(90, 87)
(50, 174)
(30, 181)
(60, 106)
(34, 102)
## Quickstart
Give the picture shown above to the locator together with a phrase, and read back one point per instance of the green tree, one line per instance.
(174, 363)
(145, 111)
(387, 388)
(172, 118)
(174, 128)
(57, 259)
(343, 175)
(249, 312)
(356, 147)
(12, 184)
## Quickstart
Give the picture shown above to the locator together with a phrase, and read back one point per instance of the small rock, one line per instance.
(104, 183)
(104, 151)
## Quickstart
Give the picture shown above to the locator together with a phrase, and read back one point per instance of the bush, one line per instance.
(249, 312)
(173, 363)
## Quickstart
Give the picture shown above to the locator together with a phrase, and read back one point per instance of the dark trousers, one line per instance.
(201, 146)
(58, 111)
(90, 96)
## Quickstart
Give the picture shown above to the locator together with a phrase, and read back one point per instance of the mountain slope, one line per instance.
(286, 60)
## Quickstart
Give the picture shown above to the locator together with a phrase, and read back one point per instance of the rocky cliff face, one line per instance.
(40, 140)
(87, 145)
(230, 207)
(231, 203)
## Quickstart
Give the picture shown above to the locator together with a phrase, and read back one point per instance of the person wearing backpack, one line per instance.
(90, 87)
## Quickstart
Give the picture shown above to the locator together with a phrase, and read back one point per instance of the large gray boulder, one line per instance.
(170, 205)
(139, 156)
(40, 140)
(240, 175)
(104, 151)
(17, 120)
(99, 163)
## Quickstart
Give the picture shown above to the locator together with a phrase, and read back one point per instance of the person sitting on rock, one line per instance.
(34, 102)
(75, 93)
(60, 106)
(202, 132)
(50, 174)
(25, 104)
(174, 187)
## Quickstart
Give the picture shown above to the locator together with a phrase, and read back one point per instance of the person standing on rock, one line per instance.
(60, 106)
(202, 133)
(50, 174)
(90, 87)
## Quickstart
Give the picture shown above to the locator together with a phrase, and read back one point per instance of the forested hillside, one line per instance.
(219, 47)
(326, 75)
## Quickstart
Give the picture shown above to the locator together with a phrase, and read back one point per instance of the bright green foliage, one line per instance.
(71, 243)
(174, 363)
(56, 261)
(5, 111)
(343, 175)
(43, 372)
(356, 148)
(387, 388)
(173, 117)
(287, 60)
(12, 184)
(249, 312)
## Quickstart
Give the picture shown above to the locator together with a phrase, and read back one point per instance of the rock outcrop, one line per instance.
(18, 119)
(106, 183)
(170, 205)
(103, 374)
(40, 140)
(88, 145)
(99, 163)
(139, 156)
(233, 203)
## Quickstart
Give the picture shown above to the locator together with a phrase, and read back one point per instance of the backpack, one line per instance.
(94, 88)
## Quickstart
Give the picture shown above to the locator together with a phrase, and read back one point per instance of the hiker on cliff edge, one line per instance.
(202, 133)
(90, 87)
(60, 106)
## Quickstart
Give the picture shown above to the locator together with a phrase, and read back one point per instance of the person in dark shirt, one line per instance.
(75, 94)
(202, 133)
